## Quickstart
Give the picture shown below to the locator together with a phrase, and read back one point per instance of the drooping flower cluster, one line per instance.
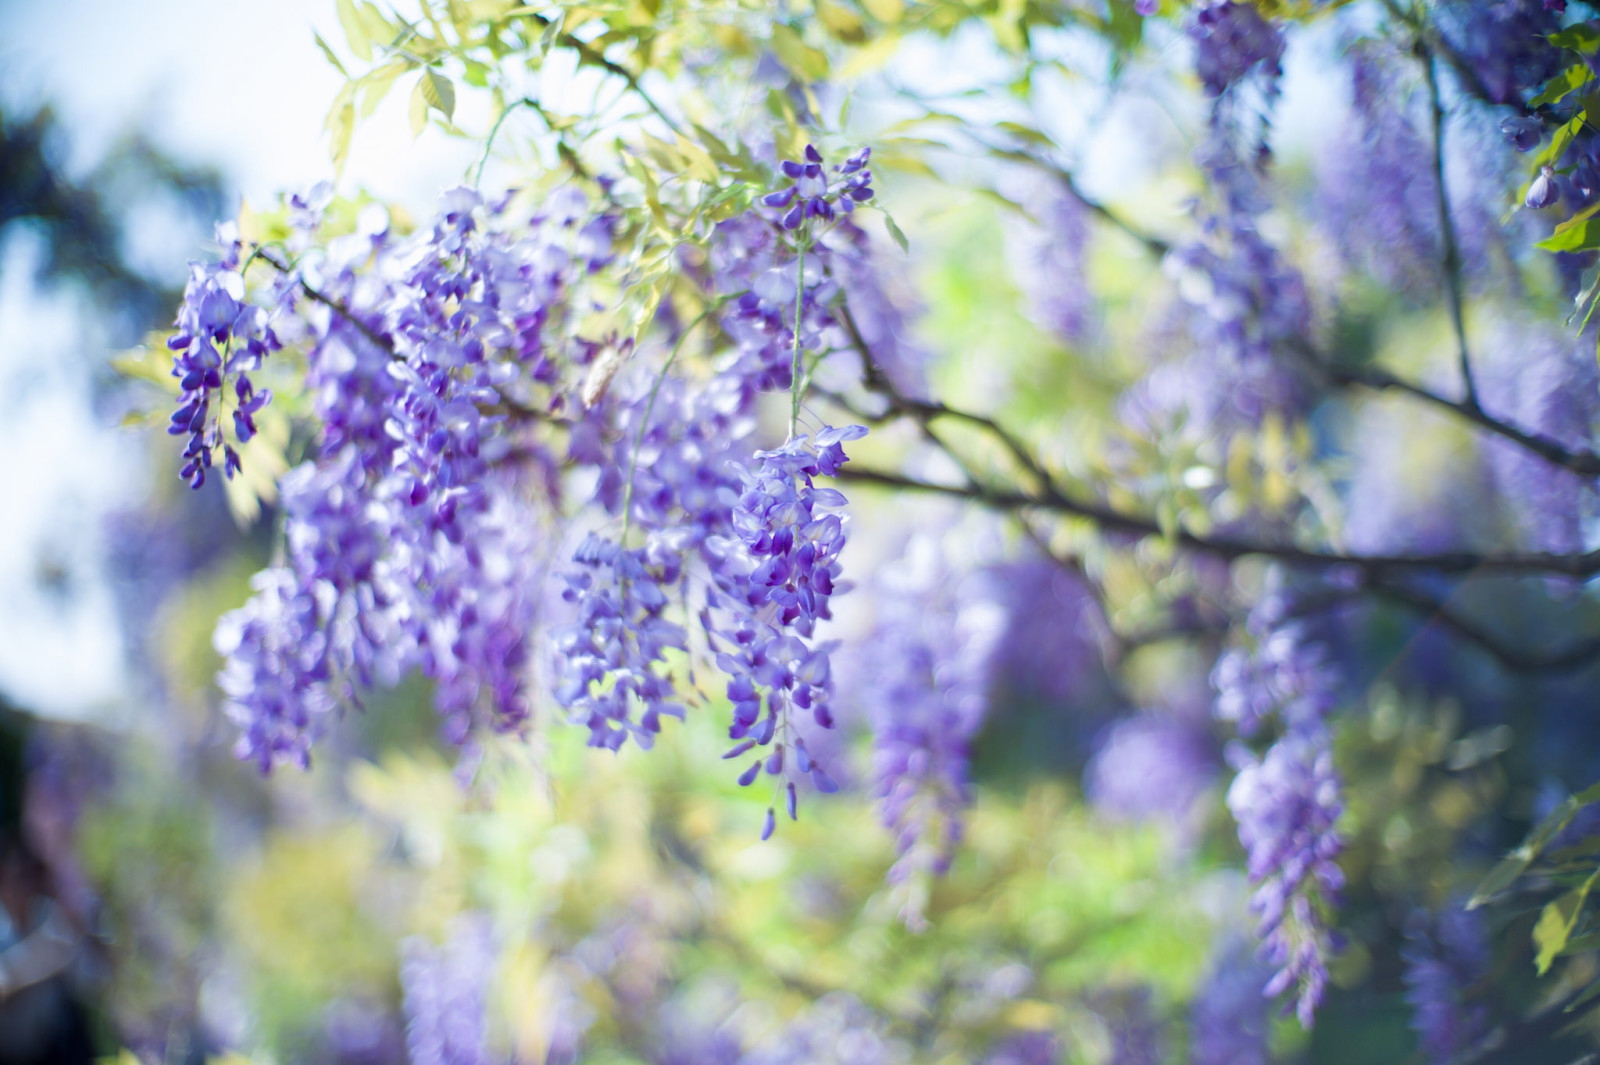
(1280, 671)
(1446, 958)
(1287, 802)
(779, 585)
(409, 543)
(220, 338)
(757, 533)
(1546, 383)
(447, 994)
(1504, 44)
(1050, 262)
(925, 691)
(1379, 196)
(1233, 42)
(1249, 301)
(1151, 764)
(1228, 1022)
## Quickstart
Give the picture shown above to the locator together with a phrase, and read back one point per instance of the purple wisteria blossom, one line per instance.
(1287, 801)
(1446, 961)
(1287, 804)
(1228, 1019)
(811, 195)
(925, 691)
(1377, 198)
(781, 573)
(1233, 42)
(407, 545)
(447, 992)
(1279, 670)
(220, 339)
(1049, 259)
(1503, 43)
(1151, 765)
(1542, 381)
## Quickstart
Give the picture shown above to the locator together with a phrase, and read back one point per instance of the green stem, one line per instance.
(494, 130)
(644, 422)
(799, 299)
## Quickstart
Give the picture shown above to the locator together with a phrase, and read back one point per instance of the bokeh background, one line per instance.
(620, 909)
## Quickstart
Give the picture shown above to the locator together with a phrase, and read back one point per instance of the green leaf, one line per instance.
(547, 39)
(439, 92)
(1558, 87)
(418, 110)
(802, 60)
(1579, 38)
(1513, 865)
(1550, 935)
(377, 84)
(328, 53)
(1575, 234)
(355, 34)
(1557, 921)
(894, 231)
(341, 126)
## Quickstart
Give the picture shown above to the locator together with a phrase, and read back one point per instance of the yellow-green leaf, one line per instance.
(840, 21)
(418, 109)
(328, 53)
(341, 125)
(869, 57)
(894, 231)
(439, 92)
(378, 83)
(1559, 86)
(355, 34)
(802, 60)
(885, 11)
(700, 165)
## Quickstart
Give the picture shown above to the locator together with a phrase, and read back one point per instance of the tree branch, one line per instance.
(1580, 655)
(1583, 565)
(1551, 450)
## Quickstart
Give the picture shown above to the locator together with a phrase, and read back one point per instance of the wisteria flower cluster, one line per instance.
(1287, 802)
(219, 336)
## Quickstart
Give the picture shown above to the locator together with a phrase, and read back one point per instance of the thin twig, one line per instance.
(1451, 260)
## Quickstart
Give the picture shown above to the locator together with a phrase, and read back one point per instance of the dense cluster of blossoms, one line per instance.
(219, 336)
(1504, 43)
(1378, 198)
(1228, 1022)
(408, 542)
(1233, 42)
(447, 994)
(753, 530)
(1446, 958)
(925, 692)
(1287, 802)
(784, 570)
(1051, 268)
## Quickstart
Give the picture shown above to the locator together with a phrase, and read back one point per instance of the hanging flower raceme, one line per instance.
(1287, 802)
(410, 543)
(220, 336)
(780, 573)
